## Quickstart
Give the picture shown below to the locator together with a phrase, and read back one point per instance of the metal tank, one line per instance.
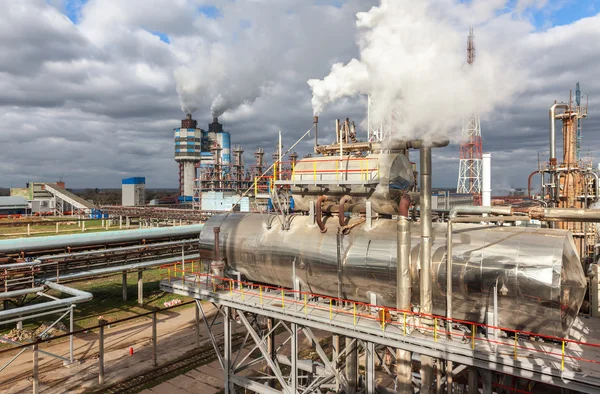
(541, 283)
(381, 178)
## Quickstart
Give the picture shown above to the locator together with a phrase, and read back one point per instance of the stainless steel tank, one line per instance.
(538, 271)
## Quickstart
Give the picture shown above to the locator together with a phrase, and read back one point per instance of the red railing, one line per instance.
(383, 315)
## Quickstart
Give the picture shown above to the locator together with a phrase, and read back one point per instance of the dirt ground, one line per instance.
(176, 336)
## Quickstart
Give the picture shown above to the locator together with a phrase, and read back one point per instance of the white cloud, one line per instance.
(96, 101)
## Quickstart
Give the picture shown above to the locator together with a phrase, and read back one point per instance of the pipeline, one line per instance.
(529, 182)
(75, 240)
(343, 201)
(121, 268)
(553, 130)
(411, 144)
(316, 124)
(78, 296)
(319, 213)
(403, 277)
(404, 206)
(565, 214)
(426, 230)
(18, 293)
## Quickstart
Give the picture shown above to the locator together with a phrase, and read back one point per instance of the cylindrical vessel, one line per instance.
(539, 276)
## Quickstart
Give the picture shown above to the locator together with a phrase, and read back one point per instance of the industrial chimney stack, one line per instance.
(188, 149)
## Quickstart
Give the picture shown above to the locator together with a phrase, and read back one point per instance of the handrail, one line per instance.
(267, 291)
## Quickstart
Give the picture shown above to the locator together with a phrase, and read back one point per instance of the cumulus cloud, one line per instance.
(96, 100)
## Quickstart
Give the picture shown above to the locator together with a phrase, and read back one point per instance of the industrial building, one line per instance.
(133, 191)
(52, 198)
(15, 205)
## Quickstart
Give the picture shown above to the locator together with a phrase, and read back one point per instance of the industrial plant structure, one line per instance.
(354, 260)
(570, 181)
(209, 164)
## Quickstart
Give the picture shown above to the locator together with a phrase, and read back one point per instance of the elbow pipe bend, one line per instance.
(319, 214)
(404, 206)
(343, 201)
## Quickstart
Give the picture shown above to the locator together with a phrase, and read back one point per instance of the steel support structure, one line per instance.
(282, 367)
(266, 357)
(471, 151)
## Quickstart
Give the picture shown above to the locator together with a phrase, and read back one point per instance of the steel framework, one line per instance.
(471, 153)
(267, 312)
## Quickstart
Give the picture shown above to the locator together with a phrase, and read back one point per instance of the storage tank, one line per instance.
(541, 282)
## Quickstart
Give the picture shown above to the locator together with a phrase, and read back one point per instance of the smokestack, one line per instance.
(316, 124)
(215, 126)
(188, 122)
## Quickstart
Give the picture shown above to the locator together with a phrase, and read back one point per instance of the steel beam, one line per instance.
(370, 367)
(294, 359)
(124, 285)
(140, 283)
(274, 367)
(227, 383)
(437, 350)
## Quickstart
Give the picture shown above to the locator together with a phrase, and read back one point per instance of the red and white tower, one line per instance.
(471, 155)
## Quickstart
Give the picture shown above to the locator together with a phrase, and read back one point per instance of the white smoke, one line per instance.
(413, 65)
(222, 77)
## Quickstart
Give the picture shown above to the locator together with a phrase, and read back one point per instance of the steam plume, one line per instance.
(222, 77)
(413, 64)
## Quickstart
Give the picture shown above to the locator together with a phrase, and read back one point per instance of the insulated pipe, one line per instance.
(17, 293)
(565, 214)
(19, 265)
(343, 201)
(425, 257)
(529, 182)
(405, 202)
(121, 268)
(553, 128)
(217, 230)
(316, 124)
(411, 144)
(78, 296)
(319, 213)
(53, 257)
(552, 116)
(479, 210)
(403, 278)
(426, 230)
(75, 240)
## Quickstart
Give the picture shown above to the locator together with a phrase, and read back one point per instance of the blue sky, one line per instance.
(554, 13)
(564, 12)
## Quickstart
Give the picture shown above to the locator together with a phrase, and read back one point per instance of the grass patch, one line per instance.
(48, 227)
(107, 301)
